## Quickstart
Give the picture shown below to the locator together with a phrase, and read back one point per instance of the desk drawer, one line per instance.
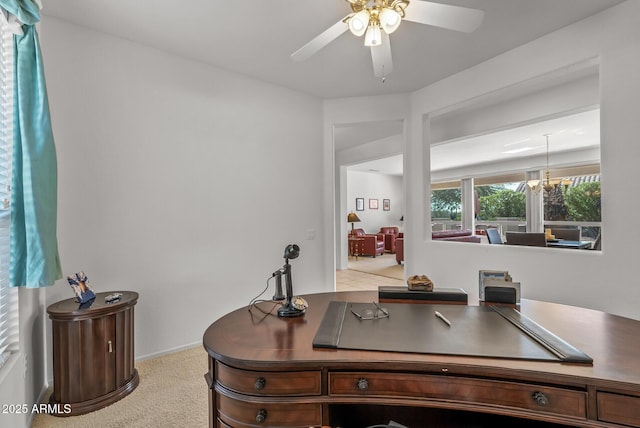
(619, 409)
(477, 391)
(240, 414)
(269, 383)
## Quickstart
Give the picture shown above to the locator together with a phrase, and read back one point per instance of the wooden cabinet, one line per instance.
(93, 353)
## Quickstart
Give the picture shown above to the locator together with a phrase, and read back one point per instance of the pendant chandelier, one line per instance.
(548, 184)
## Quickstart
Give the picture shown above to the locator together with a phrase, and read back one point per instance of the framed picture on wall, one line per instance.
(359, 204)
(373, 204)
(386, 204)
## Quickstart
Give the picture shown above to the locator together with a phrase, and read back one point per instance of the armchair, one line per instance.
(372, 245)
(390, 234)
(400, 248)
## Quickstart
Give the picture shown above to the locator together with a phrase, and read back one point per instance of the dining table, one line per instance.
(566, 243)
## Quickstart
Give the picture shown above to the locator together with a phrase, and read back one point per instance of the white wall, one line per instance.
(179, 181)
(602, 280)
(369, 185)
(553, 94)
(606, 280)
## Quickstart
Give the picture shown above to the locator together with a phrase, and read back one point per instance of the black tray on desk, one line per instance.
(438, 295)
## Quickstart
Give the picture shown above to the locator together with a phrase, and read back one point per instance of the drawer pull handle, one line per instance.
(363, 384)
(110, 347)
(260, 383)
(261, 416)
(540, 398)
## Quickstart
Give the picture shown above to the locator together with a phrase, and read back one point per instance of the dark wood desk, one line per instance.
(264, 371)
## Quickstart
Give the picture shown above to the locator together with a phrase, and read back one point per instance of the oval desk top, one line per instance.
(70, 309)
(260, 340)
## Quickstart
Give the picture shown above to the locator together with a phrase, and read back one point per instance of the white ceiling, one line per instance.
(566, 134)
(352, 135)
(386, 166)
(256, 38)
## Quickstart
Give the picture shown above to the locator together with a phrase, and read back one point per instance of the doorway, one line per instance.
(369, 182)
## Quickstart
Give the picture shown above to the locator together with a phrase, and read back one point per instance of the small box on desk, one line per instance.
(392, 294)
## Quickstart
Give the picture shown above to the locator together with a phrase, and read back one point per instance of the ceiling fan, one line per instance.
(376, 19)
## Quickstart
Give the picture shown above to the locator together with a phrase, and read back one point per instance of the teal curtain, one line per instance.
(34, 248)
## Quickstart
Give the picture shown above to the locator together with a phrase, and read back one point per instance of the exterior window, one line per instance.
(8, 295)
(575, 204)
(446, 206)
(501, 201)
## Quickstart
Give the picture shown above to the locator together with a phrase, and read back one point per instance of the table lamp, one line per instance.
(352, 218)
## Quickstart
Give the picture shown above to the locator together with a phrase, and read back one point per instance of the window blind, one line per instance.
(8, 295)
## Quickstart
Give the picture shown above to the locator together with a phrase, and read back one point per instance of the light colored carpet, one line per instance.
(172, 393)
(384, 265)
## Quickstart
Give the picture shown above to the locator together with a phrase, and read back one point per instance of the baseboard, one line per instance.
(169, 351)
(42, 399)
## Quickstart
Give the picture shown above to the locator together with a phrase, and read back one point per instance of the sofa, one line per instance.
(464, 235)
(372, 244)
(390, 234)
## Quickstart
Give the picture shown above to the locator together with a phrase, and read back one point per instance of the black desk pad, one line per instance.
(479, 331)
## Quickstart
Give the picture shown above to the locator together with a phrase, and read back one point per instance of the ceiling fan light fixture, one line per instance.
(359, 22)
(389, 20)
(373, 36)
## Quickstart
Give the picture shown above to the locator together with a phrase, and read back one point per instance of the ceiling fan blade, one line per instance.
(320, 41)
(443, 15)
(381, 57)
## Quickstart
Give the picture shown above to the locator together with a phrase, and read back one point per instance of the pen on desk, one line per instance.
(442, 317)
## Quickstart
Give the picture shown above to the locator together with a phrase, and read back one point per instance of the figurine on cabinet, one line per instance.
(81, 287)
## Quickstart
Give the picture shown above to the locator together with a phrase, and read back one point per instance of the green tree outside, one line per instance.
(583, 202)
(446, 203)
(503, 203)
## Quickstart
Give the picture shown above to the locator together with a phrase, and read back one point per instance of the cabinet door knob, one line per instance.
(260, 383)
(540, 398)
(110, 347)
(363, 384)
(261, 416)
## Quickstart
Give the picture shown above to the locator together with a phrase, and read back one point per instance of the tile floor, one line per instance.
(352, 280)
